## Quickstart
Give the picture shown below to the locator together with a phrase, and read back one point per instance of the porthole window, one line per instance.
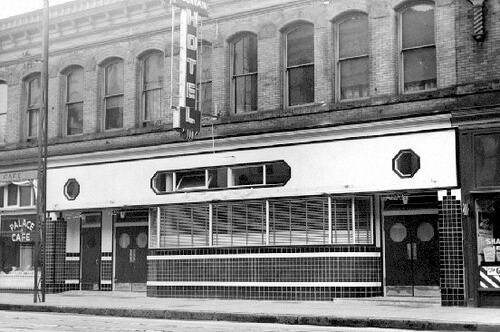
(71, 189)
(406, 163)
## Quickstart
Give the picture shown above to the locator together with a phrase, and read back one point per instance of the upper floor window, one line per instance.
(152, 86)
(417, 47)
(74, 102)
(3, 110)
(299, 59)
(352, 72)
(205, 78)
(33, 104)
(113, 95)
(244, 73)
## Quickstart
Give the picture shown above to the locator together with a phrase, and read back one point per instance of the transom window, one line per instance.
(300, 65)
(113, 95)
(13, 195)
(353, 41)
(281, 221)
(33, 101)
(244, 73)
(74, 102)
(152, 86)
(418, 47)
(267, 174)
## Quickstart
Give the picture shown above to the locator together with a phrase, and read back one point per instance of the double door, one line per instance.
(131, 257)
(411, 255)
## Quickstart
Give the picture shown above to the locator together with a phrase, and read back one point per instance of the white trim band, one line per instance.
(271, 255)
(263, 284)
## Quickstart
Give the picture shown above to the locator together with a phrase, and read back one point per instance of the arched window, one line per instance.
(74, 101)
(205, 78)
(417, 47)
(152, 86)
(244, 73)
(33, 104)
(352, 48)
(3, 110)
(113, 95)
(299, 59)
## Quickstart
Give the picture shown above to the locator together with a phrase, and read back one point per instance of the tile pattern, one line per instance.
(216, 269)
(55, 255)
(451, 251)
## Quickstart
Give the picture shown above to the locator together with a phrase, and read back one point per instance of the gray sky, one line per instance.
(15, 7)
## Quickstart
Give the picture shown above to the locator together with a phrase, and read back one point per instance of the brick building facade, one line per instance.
(333, 152)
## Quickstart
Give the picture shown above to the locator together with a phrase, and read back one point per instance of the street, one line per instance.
(14, 321)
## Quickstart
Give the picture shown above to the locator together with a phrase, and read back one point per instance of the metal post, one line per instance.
(42, 159)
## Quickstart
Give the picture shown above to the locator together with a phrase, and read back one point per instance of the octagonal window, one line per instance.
(71, 189)
(406, 163)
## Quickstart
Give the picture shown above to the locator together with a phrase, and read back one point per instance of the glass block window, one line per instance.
(244, 73)
(152, 85)
(299, 61)
(74, 102)
(113, 95)
(353, 42)
(418, 47)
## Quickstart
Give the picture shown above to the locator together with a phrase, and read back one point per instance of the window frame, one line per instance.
(32, 110)
(68, 104)
(201, 81)
(287, 68)
(402, 50)
(339, 60)
(234, 76)
(144, 90)
(106, 97)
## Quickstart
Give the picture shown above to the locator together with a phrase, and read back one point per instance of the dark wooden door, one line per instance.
(131, 254)
(411, 252)
(91, 258)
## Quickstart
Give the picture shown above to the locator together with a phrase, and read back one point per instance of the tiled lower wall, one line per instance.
(300, 273)
(451, 250)
(106, 271)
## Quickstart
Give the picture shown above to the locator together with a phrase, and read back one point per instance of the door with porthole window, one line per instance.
(411, 255)
(131, 258)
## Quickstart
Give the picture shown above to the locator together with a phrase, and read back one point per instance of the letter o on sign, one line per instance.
(71, 189)
(406, 163)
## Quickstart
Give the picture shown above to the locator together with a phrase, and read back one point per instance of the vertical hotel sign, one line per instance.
(187, 119)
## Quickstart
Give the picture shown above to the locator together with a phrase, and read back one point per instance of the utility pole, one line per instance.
(40, 236)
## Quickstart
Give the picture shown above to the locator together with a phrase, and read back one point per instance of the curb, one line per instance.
(392, 323)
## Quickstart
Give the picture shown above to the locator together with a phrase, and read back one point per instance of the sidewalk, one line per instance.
(382, 313)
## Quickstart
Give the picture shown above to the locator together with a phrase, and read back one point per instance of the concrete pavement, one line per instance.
(382, 313)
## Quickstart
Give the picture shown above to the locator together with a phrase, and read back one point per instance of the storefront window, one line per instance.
(488, 240)
(16, 244)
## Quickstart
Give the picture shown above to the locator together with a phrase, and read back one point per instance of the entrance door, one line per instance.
(131, 257)
(412, 255)
(91, 258)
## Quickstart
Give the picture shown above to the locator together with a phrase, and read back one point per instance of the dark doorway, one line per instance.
(412, 255)
(91, 257)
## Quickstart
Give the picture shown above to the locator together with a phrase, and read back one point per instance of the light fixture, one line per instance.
(122, 214)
